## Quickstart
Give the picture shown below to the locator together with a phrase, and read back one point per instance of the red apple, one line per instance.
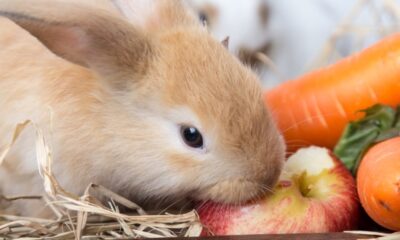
(316, 193)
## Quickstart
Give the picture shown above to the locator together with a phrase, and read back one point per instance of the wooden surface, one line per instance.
(322, 236)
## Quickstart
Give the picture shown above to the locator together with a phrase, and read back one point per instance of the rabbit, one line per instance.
(145, 102)
(244, 22)
(289, 34)
(284, 30)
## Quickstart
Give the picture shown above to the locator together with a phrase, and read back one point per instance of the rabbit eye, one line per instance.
(192, 136)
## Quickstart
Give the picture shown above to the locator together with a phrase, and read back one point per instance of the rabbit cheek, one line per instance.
(232, 191)
(181, 163)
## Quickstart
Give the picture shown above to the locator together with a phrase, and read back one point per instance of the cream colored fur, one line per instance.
(119, 94)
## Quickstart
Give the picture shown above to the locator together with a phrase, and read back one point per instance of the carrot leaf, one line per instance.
(380, 122)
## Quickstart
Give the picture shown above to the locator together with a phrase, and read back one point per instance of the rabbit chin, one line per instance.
(234, 191)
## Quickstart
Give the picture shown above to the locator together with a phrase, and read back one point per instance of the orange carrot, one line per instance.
(378, 183)
(314, 109)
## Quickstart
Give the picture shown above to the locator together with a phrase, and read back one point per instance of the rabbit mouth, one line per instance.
(234, 191)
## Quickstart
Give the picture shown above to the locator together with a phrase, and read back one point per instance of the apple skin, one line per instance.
(315, 194)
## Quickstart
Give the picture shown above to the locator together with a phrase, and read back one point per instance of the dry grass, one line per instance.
(85, 217)
(384, 16)
(366, 22)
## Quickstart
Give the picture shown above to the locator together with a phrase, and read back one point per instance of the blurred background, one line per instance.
(283, 39)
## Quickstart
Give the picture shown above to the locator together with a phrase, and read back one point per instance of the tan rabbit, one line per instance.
(154, 108)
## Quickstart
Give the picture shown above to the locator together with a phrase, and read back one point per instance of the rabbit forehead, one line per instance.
(196, 62)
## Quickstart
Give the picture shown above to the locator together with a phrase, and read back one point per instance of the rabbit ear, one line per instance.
(107, 44)
(157, 14)
(225, 42)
